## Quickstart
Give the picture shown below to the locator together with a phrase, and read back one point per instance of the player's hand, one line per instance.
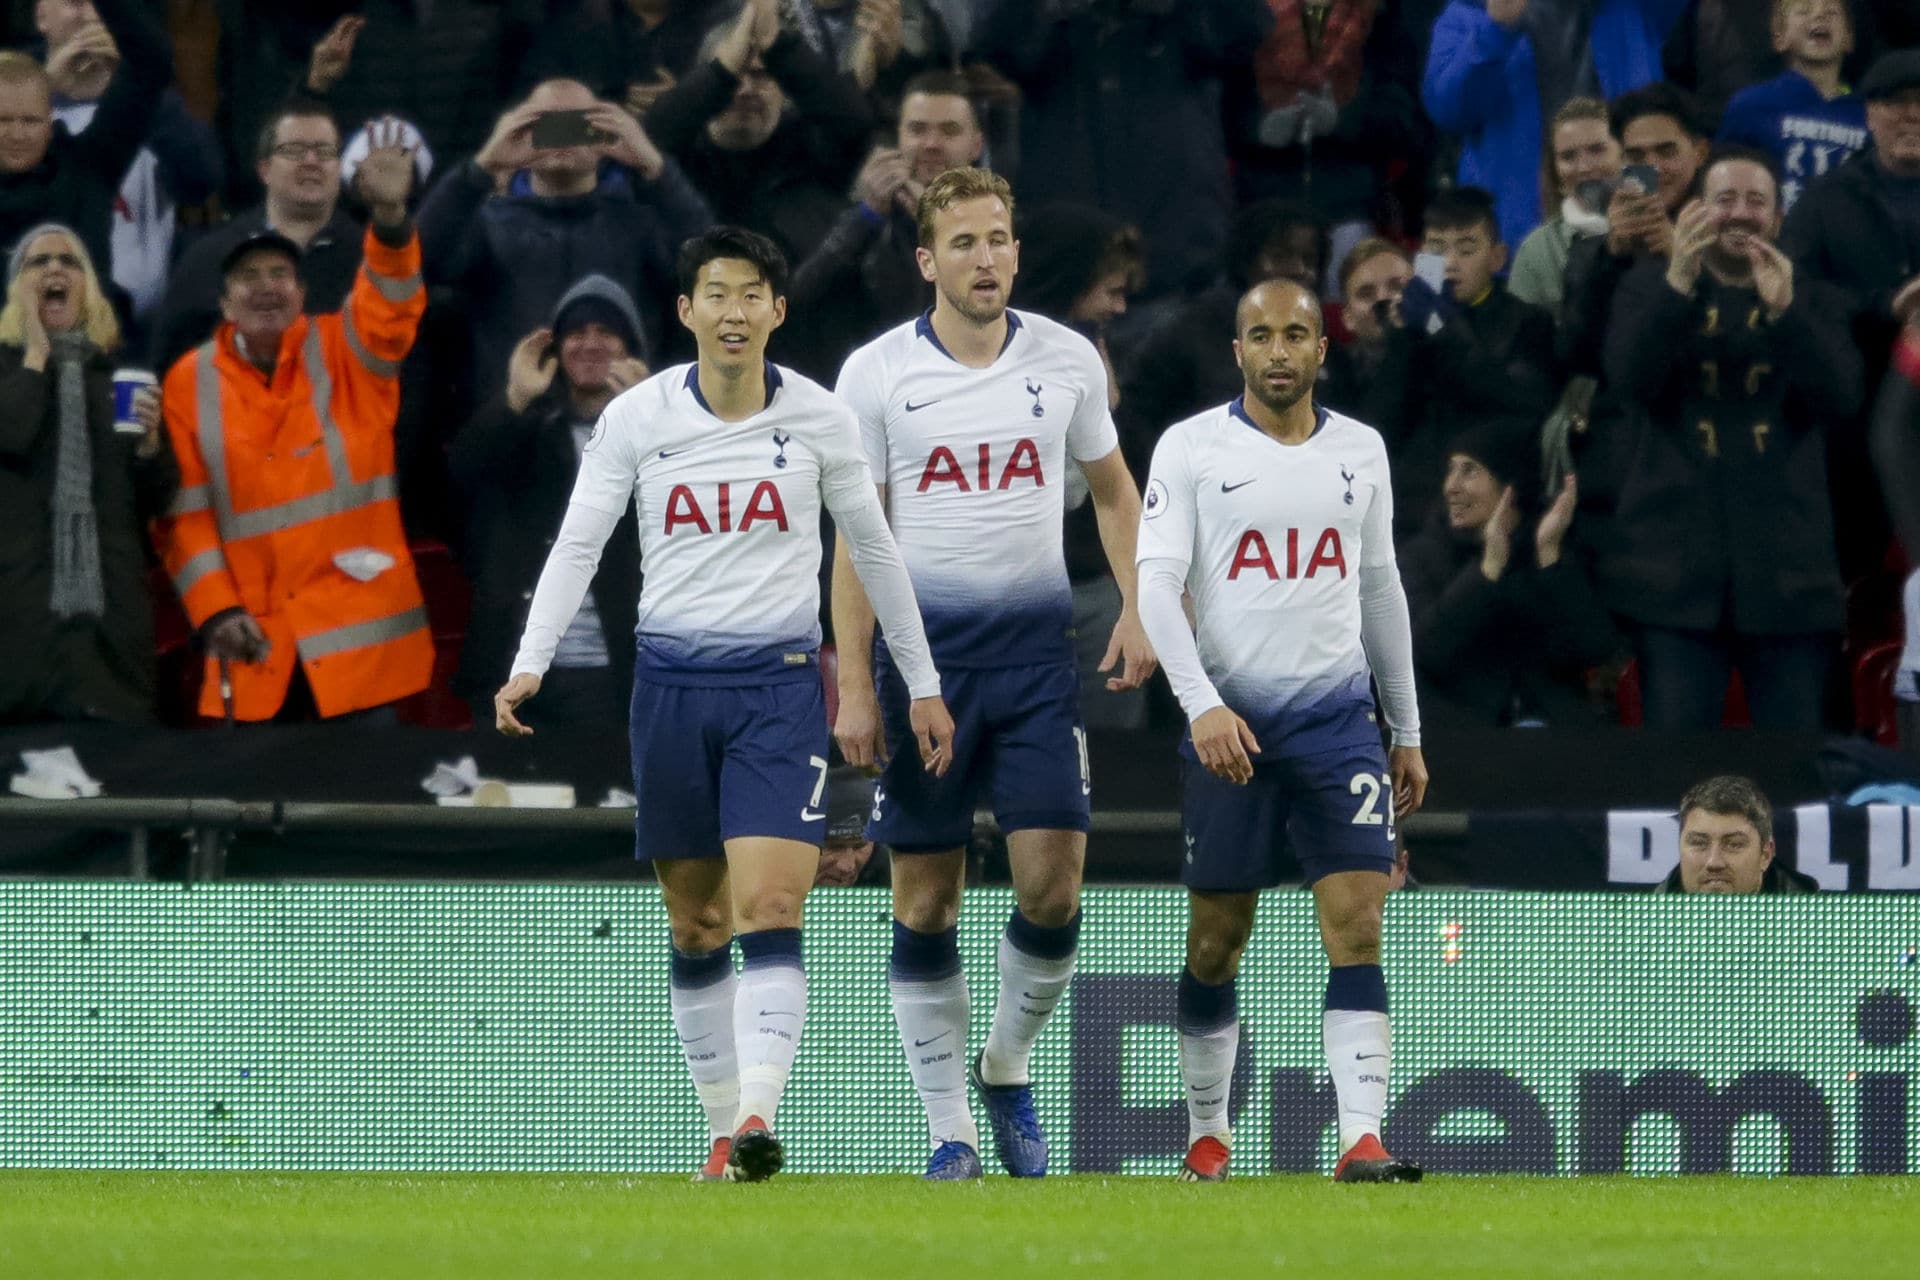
(1130, 648)
(1408, 769)
(1223, 742)
(863, 743)
(933, 726)
(511, 695)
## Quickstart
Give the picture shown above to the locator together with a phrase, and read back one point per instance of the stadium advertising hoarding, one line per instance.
(484, 1026)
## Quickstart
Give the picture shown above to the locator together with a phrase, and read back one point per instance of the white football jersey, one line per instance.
(974, 462)
(1273, 538)
(729, 516)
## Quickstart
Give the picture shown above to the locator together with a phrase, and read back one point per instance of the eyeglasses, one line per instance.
(41, 261)
(300, 150)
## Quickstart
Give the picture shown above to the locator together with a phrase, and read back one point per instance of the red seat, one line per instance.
(1628, 706)
(1873, 703)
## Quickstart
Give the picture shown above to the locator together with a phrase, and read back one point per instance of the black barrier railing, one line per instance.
(210, 823)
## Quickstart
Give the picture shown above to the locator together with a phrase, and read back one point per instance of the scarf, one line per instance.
(77, 589)
(1313, 47)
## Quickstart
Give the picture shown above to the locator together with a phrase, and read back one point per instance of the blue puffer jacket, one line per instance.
(1480, 86)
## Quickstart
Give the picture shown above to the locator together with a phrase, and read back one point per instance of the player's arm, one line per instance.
(1116, 508)
(1165, 547)
(600, 496)
(1386, 633)
(860, 524)
(857, 727)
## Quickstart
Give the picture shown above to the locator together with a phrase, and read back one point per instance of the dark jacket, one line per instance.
(79, 668)
(78, 179)
(861, 281)
(190, 311)
(1490, 653)
(1842, 231)
(511, 257)
(1724, 515)
(515, 473)
(792, 186)
(1489, 364)
(605, 47)
(1151, 82)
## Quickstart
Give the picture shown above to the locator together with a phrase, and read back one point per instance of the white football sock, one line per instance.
(1359, 1047)
(769, 1013)
(1206, 1065)
(1030, 987)
(703, 1019)
(932, 1016)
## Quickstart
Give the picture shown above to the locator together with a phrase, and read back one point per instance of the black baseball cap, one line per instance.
(264, 238)
(1891, 73)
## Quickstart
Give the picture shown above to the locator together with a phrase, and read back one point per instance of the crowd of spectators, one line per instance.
(1631, 288)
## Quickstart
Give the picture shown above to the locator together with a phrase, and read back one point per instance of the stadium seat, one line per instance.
(449, 608)
(1873, 703)
(1628, 708)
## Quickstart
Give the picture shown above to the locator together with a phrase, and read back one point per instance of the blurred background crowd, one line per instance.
(311, 306)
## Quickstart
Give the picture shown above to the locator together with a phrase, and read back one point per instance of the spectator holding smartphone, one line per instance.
(567, 184)
(1578, 171)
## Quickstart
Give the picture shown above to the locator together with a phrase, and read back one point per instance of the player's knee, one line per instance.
(696, 933)
(769, 909)
(1052, 906)
(1214, 957)
(926, 908)
(1354, 937)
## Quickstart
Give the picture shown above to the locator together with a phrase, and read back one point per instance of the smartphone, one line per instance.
(1431, 268)
(554, 129)
(1645, 176)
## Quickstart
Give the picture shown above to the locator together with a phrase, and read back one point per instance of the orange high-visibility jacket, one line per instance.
(288, 501)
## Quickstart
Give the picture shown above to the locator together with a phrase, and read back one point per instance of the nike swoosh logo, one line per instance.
(778, 1013)
(673, 454)
(921, 1044)
(811, 815)
(1229, 488)
(915, 408)
(698, 1039)
(1362, 1057)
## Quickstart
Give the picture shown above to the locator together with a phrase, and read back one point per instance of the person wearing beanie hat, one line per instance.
(75, 492)
(513, 466)
(1505, 619)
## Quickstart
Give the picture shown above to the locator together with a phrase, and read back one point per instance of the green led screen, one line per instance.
(329, 1026)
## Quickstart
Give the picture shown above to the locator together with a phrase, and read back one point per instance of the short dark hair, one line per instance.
(1659, 99)
(1740, 153)
(1730, 794)
(732, 242)
(295, 108)
(1463, 209)
(939, 83)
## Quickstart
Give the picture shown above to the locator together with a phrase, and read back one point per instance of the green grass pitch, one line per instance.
(427, 1226)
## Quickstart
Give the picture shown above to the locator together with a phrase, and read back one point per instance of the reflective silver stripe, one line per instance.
(213, 434)
(361, 634)
(322, 381)
(328, 502)
(193, 498)
(394, 288)
(198, 567)
(382, 368)
(343, 496)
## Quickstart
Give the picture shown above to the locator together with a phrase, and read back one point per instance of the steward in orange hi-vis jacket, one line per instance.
(285, 542)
